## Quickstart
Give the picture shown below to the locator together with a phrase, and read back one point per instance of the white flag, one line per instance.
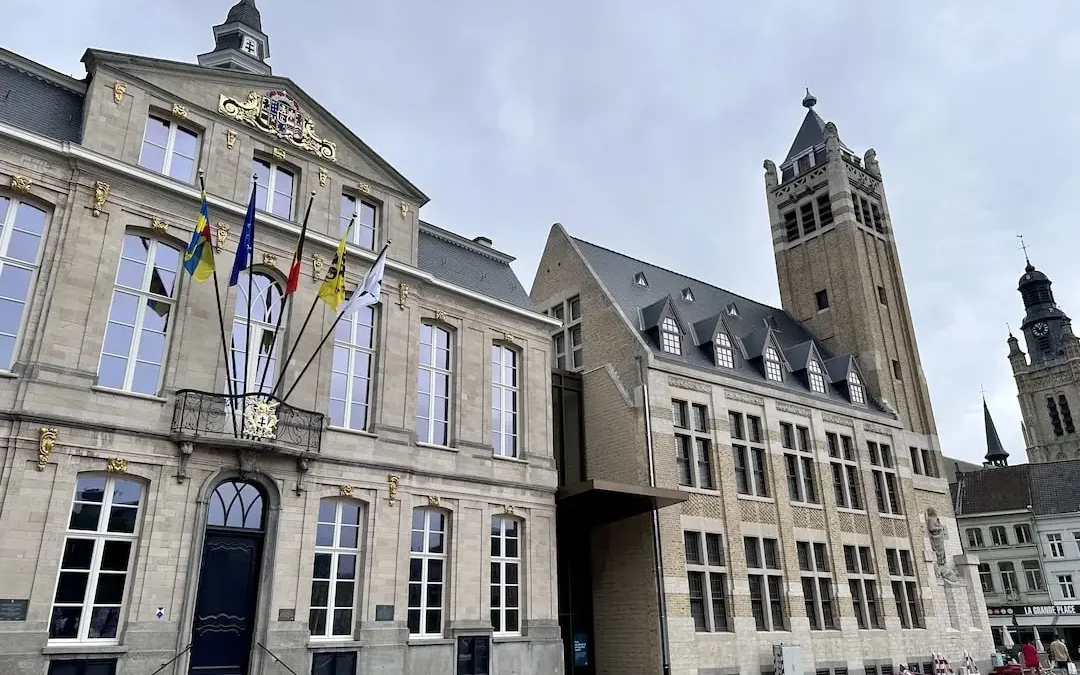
(367, 293)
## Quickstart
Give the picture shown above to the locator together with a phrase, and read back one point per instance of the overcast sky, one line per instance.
(642, 126)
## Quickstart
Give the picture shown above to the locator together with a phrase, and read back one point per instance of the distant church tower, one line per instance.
(838, 267)
(239, 43)
(995, 452)
(1048, 376)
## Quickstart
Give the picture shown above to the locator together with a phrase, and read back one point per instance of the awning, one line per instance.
(597, 502)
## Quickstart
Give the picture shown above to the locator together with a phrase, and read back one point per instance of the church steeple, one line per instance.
(1045, 325)
(995, 452)
(239, 43)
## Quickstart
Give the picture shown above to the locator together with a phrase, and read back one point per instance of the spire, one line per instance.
(995, 452)
(239, 43)
(247, 13)
(812, 131)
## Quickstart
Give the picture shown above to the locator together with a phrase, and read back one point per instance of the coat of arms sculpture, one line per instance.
(278, 114)
(260, 418)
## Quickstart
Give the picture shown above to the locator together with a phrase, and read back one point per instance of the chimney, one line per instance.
(483, 241)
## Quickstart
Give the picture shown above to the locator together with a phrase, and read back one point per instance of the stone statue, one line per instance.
(770, 174)
(870, 159)
(936, 530)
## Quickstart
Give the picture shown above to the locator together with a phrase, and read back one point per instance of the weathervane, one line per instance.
(1023, 247)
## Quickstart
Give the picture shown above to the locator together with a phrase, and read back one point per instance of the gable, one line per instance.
(272, 108)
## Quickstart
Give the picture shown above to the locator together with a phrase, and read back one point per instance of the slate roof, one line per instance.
(748, 329)
(458, 261)
(40, 100)
(1048, 487)
(246, 13)
(811, 133)
(1055, 487)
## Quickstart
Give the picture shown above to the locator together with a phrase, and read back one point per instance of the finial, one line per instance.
(982, 391)
(1023, 247)
(809, 101)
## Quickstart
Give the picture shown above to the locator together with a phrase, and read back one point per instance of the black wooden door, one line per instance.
(225, 609)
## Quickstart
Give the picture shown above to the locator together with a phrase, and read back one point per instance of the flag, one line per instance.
(294, 269)
(199, 257)
(332, 291)
(367, 293)
(246, 244)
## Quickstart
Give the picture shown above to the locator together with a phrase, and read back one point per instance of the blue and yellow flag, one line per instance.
(199, 257)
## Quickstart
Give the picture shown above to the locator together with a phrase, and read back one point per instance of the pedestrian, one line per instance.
(1031, 655)
(1059, 653)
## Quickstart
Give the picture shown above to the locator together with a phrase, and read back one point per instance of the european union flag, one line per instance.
(247, 242)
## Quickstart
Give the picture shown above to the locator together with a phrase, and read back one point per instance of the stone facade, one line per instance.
(93, 193)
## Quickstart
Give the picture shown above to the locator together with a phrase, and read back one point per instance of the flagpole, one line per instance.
(220, 316)
(303, 327)
(285, 300)
(247, 332)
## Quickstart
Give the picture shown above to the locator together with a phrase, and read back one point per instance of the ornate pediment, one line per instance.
(277, 113)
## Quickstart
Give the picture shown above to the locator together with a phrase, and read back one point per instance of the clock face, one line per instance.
(1040, 329)
(249, 46)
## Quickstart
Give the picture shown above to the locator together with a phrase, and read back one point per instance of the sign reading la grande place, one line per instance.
(1033, 610)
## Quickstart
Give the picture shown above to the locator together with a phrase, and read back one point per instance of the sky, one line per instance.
(642, 127)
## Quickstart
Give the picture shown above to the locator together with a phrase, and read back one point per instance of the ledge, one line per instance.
(504, 458)
(430, 642)
(83, 648)
(807, 505)
(352, 432)
(699, 491)
(496, 639)
(329, 645)
(8, 374)
(755, 498)
(129, 394)
(432, 446)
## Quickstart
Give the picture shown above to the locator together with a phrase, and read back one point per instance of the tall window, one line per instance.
(751, 477)
(1023, 533)
(1009, 581)
(998, 535)
(816, 376)
(133, 353)
(334, 578)
(706, 574)
(986, 578)
(863, 585)
(802, 485)
(1057, 548)
(276, 188)
(1033, 575)
(427, 570)
(567, 340)
(433, 390)
(1076, 539)
(363, 231)
(505, 575)
(905, 591)
(102, 535)
(1066, 415)
(350, 375)
(170, 149)
(845, 471)
(20, 245)
(816, 584)
(929, 462)
(1055, 418)
(773, 368)
(1065, 583)
(725, 353)
(693, 444)
(504, 400)
(975, 537)
(856, 391)
(766, 583)
(670, 336)
(253, 336)
(886, 483)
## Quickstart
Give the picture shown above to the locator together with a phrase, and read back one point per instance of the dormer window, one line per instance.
(773, 369)
(725, 355)
(856, 391)
(816, 375)
(670, 336)
(687, 294)
(732, 310)
(640, 280)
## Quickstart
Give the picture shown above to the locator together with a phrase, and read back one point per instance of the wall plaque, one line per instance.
(384, 612)
(13, 610)
(286, 614)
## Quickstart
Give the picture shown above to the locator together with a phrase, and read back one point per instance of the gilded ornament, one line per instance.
(365, 188)
(322, 177)
(260, 418)
(392, 482)
(230, 139)
(404, 209)
(508, 510)
(118, 90)
(179, 111)
(402, 294)
(117, 465)
(101, 195)
(276, 113)
(279, 154)
(46, 438)
(20, 184)
(346, 490)
(317, 265)
(158, 225)
(269, 259)
(222, 236)
(433, 500)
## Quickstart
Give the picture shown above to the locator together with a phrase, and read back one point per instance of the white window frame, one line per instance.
(986, 578)
(1065, 585)
(974, 537)
(1057, 547)
(999, 535)
(273, 168)
(144, 295)
(816, 376)
(8, 224)
(1024, 538)
(902, 577)
(1076, 539)
(846, 478)
(692, 433)
(432, 369)
(670, 336)
(766, 573)
(260, 326)
(774, 368)
(1010, 582)
(426, 556)
(1033, 575)
(856, 390)
(351, 348)
(709, 567)
(567, 348)
(750, 453)
(725, 352)
(170, 148)
(336, 551)
(862, 582)
(503, 562)
(818, 573)
(100, 536)
(359, 227)
(505, 400)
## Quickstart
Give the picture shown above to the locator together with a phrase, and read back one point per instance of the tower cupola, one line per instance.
(239, 43)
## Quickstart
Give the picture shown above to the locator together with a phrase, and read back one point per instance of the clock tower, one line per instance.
(1048, 375)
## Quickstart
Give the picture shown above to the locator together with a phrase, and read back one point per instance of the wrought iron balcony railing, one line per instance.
(258, 418)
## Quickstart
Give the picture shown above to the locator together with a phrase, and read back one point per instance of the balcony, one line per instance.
(252, 421)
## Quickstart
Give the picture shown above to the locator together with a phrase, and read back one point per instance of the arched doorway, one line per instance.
(224, 622)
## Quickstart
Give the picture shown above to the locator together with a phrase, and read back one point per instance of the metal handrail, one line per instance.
(173, 659)
(274, 656)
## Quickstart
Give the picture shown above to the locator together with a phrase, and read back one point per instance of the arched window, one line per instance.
(350, 378)
(237, 504)
(506, 575)
(427, 572)
(856, 391)
(773, 368)
(336, 570)
(816, 376)
(670, 336)
(433, 386)
(254, 349)
(23, 226)
(725, 354)
(140, 316)
(102, 536)
(504, 400)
